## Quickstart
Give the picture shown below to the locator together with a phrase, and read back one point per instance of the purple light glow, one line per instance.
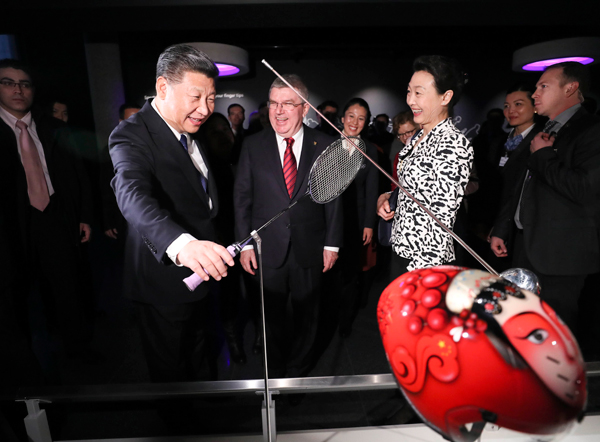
(543, 64)
(226, 69)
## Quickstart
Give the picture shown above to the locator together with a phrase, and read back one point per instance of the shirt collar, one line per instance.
(11, 120)
(176, 133)
(523, 134)
(295, 136)
(566, 115)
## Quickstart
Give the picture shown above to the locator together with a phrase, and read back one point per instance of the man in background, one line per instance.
(46, 209)
(558, 209)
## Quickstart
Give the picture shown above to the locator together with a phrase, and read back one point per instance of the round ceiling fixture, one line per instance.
(230, 60)
(537, 57)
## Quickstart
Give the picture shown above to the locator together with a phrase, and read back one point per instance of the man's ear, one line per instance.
(161, 87)
(571, 88)
(306, 109)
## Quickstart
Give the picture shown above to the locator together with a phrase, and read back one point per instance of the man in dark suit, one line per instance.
(46, 208)
(236, 115)
(558, 208)
(301, 245)
(167, 194)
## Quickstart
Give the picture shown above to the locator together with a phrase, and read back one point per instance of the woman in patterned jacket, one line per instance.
(434, 167)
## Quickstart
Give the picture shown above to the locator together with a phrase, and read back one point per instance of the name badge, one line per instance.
(503, 160)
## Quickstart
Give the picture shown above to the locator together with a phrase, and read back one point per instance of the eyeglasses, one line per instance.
(24, 85)
(407, 134)
(288, 105)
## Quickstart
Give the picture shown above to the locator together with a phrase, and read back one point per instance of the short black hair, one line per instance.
(235, 105)
(327, 103)
(521, 87)
(16, 64)
(124, 107)
(573, 71)
(60, 100)
(178, 59)
(361, 103)
(447, 75)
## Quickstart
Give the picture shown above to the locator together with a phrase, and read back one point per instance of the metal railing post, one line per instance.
(268, 422)
(36, 422)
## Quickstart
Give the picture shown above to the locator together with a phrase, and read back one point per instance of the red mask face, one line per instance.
(493, 356)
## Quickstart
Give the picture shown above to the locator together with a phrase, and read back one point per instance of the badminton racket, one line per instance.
(402, 189)
(332, 172)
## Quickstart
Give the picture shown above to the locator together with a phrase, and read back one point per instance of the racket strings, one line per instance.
(334, 170)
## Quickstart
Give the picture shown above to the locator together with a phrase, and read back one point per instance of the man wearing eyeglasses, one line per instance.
(299, 246)
(45, 206)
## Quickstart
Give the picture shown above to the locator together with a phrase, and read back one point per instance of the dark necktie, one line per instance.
(551, 126)
(37, 188)
(289, 166)
(202, 178)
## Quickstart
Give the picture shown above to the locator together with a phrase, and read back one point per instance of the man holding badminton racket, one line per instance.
(299, 246)
(167, 194)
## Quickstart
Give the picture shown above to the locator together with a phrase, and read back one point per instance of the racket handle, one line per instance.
(193, 281)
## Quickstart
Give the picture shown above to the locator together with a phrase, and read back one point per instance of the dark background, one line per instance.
(341, 48)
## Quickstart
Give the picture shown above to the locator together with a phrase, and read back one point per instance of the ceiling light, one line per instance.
(585, 50)
(231, 60)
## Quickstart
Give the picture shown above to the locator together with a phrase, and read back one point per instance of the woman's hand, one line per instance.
(367, 235)
(383, 207)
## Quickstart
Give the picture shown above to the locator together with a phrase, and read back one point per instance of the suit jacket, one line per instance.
(260, 193)
(360, 199)
(512, 176)
(160, 196)
(72, 194)
(560, 206)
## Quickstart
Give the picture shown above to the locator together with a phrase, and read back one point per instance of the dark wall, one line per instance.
(59, 64)
(381, 81)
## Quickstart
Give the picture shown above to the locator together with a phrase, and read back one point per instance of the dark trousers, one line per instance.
(398, 266)
(174, 340)
(54, 252)
(291, 295)
(561, 292)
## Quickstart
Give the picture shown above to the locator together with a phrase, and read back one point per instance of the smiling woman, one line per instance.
(358, 255)
(434, 167)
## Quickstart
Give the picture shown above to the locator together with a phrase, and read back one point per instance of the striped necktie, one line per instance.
(37, 188)
(289, 166)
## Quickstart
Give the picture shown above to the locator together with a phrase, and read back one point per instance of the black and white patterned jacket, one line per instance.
(435, 172)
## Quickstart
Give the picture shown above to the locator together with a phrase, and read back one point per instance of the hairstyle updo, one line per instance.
(362, 103)
(447, 75)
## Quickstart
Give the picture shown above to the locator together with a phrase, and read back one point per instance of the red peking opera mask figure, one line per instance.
(469, 347)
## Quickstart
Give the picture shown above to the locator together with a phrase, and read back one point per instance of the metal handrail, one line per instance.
(134, 392)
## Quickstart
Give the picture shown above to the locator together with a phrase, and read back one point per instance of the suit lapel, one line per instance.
(165, 140)
(47, 135)
(309, 148)
(571, 128)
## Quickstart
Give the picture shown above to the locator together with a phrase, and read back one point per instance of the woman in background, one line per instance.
(359, 202)
(511, 158)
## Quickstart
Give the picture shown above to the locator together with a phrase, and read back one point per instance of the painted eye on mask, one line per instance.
(537, 336)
